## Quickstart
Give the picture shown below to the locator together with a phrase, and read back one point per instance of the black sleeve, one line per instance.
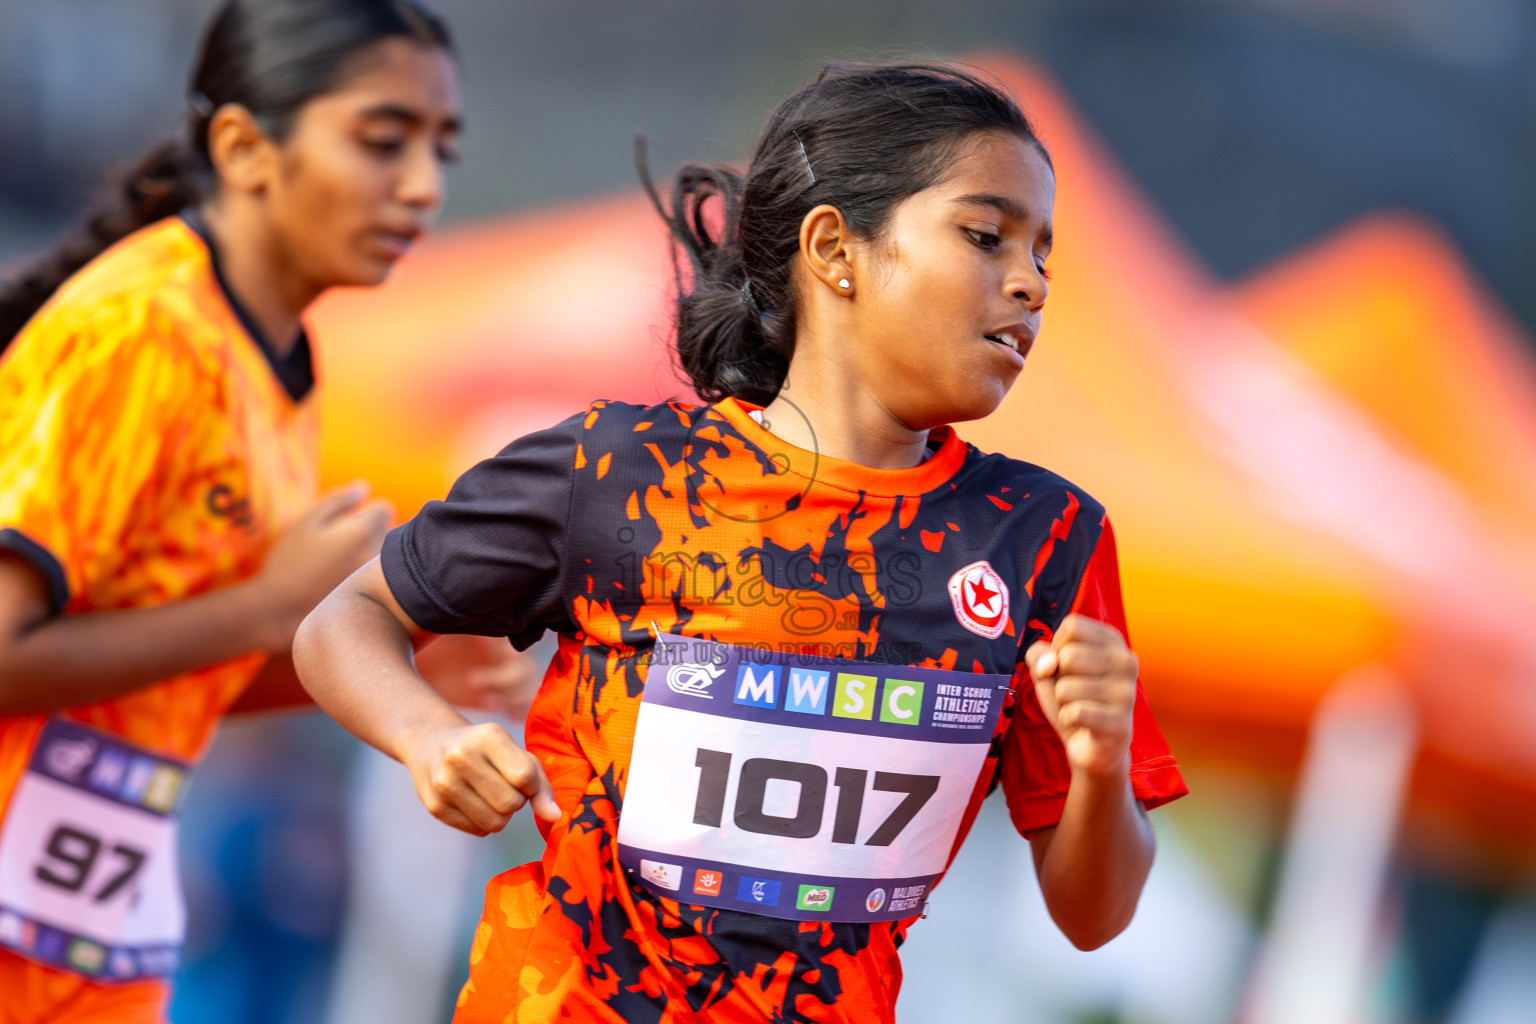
(490, 559)
(41, 559)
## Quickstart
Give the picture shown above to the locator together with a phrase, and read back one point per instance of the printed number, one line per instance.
(752, 785)
(72, 857)
(78, 850)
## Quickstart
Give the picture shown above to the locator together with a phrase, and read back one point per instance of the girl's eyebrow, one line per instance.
(1006, 205)
(396, 112)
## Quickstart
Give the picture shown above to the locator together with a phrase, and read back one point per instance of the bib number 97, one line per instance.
(70, 858)
(851, 783)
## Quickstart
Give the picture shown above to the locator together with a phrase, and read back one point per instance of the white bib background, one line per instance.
(88, 868)
(879, 738)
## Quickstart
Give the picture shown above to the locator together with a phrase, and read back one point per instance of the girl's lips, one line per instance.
(1010, 353)
(396, 243)
(1014, 341)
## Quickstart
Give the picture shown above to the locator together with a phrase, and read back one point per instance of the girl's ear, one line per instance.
(826, 247)
(242, 155)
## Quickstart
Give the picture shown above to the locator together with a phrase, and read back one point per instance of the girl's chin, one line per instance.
(365, 272)
(979, 402)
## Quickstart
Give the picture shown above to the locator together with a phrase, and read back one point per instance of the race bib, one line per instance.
(800, 787)
(88, 874)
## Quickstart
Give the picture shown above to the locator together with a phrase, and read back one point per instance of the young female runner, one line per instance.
(803, 628)
(160, 538)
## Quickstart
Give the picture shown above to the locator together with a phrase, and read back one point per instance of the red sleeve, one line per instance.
(1033, 766)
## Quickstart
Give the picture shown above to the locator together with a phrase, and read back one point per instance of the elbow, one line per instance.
(1089, 940)
(1089, 928)
(308, 645)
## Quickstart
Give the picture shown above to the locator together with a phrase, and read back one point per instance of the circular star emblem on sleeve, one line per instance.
(980, 598)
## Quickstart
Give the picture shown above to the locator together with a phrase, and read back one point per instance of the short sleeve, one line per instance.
(90, 417)
(489, 559)
(1033, 767)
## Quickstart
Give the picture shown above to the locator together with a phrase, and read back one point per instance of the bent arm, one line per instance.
(1093, 864)
(52, 662)
(355, 655)
(49, 663)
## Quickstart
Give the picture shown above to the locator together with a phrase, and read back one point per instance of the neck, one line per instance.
(272, 290)
(824, 408)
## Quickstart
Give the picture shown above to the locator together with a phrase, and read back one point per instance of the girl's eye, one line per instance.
(1043, 271)
(984, 240)
(447, 154)
(385, 147)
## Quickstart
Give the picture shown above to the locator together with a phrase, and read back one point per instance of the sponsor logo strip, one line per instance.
(57, 947)
(812, 692)
(106, 766)
(771, 893)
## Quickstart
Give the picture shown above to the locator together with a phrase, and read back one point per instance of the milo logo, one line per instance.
(815, 897)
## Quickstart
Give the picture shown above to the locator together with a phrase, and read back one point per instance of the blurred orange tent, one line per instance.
(1274, 533)
(1388, 314)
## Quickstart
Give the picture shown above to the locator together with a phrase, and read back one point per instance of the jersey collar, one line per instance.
(296, 371)
(849, 476)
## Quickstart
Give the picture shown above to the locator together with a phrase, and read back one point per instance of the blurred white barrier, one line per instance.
(989, 954)
(409, 898)
(1317, 959)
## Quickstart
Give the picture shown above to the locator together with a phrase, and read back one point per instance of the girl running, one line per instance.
(804, 628)
(160, 534)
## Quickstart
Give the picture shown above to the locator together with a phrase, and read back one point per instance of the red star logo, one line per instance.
(981, 594)
(980, 599)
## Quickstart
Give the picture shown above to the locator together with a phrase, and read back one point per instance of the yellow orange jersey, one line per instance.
(623, 523)
(152, 446)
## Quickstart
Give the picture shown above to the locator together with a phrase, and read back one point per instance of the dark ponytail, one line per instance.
(269, 56)
(162, 183)
(862, 138)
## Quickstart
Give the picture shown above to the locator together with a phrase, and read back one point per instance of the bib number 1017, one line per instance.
(806, 821)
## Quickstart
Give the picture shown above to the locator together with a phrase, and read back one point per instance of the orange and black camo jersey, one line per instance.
(152, 446)
(701, 521)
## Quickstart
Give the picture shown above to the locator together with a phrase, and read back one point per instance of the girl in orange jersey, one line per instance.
(804, 628)
(160, 534)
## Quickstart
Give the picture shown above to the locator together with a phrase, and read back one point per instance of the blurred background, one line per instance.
(1289, 346)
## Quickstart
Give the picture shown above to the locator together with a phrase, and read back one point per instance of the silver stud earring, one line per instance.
(844, 284)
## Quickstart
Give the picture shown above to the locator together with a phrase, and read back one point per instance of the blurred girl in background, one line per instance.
(160, 533)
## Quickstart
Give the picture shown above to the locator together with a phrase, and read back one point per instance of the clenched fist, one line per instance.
(1085, 679)
(475, 777)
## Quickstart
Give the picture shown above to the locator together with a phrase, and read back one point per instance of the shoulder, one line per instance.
(1014, 486)
(1044, 527)
(138, 275)
(132, 305)
(618, 420)
(607, 428)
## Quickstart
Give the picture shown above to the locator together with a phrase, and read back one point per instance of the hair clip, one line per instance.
(749, 298)
(201, 105)
(804, 155)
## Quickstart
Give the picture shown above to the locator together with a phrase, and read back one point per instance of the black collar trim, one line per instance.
(296, 372)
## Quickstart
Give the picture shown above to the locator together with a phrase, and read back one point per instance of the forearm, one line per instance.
(356, 660)
(1095, 862)
(71, 660)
